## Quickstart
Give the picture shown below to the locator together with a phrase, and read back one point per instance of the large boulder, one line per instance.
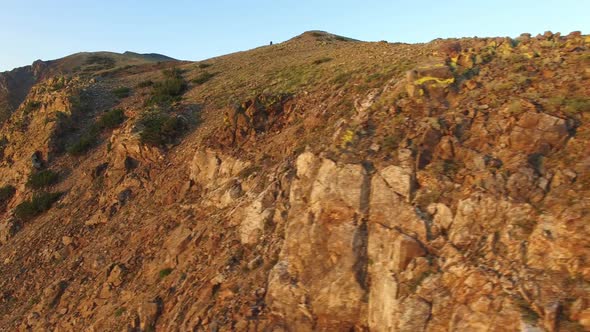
(538, 133)
(319, 281)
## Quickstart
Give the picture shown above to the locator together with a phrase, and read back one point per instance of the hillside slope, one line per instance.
(321, 184)
(16, 84)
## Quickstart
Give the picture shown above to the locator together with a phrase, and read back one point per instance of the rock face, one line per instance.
(538, 133)
(387, 260)
(328, 202)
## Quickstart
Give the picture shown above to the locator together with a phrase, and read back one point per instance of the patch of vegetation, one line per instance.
(99, 62)
(42, 179)
(145, 84)
(204, 65)
(348, 138)
(321, 60)
(202, 78)
(246, 172)
(374, 77)
(165, 272)
(58, 84)
(6, 194)
(111, 119)
(31, 106)
(391, 142)
(342, 78)
(515, 108)
(160, 128)
(86, 142)
(40, 203)
(293, 77)
(526, 312)
(569, 105)
(577, 105)
(122, 92)
(168, 90)
(120, 311)
(90, 138)
(425, 197)
(446, 167)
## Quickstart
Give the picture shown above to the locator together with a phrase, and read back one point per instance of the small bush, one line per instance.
(86, 142)
(321, 60)
(40, 203)
(122, 92)
(103, 61)
(168, 90)
(165, 272)
(42, 179)
(145, 84)
(111, 119)
(160, 128)
(6, 193)
(120, 311)
(515, 108)
(246, 172)
(31, 106)
(526, 311)
(577, 105)
(204, 65)
(202, 78)
(391, 142)
(342, 78)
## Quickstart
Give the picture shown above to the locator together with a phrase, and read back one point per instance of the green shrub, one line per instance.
(58, 85)
(204, 65)
(391, 142)
(165, 272)
(111, 119)
(122, 92)
(168, 90)
(145, 84)
(160, 128)
(42, 179)
(577, 105)
(527, 313)
(572, 105)
(120, 311)
(31, 106)
(86, 142)
(246, 172)
(6, 193)
(202, 78)
(515, 108)
(321, 60)
(40, 203)
(103, 61)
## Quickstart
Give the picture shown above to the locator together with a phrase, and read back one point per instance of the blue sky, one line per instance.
(196, 30)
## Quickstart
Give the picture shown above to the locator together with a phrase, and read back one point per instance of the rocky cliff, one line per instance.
(321, 184)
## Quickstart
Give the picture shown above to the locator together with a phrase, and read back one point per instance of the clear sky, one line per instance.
(196, 30)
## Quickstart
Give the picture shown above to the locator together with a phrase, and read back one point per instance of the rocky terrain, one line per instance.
(320, 184)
